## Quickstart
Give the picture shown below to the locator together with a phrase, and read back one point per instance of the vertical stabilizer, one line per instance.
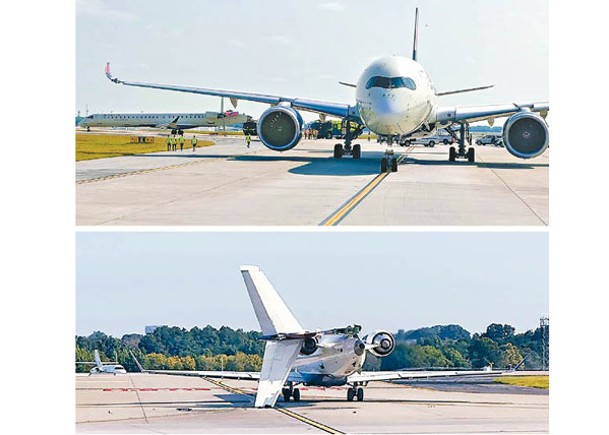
(416, 34)
(98, 362)
(273, 314)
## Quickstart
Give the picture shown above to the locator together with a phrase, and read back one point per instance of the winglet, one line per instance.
(139, 366)
(109, 74)
(273, 314)
(416, 34)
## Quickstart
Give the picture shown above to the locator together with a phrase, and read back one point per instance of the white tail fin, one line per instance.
(273, 314)
(98, 362)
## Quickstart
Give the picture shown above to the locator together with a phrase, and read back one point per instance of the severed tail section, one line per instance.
(278, 325)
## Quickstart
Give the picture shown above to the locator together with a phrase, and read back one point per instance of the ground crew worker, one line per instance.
(248, 139)
(174, 141)
(193, 142)
(181, 140)
(168, 143)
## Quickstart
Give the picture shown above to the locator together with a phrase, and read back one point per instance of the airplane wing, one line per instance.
(278, 359)
(449, 114)
(328, 108)
(395, 375)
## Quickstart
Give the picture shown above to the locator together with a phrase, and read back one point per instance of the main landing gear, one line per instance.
(460, 153)
(354, 151)
(290, 391)
(355, 392)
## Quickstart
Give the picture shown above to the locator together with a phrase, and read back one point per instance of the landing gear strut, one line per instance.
(356, 150)
(290, 391)
(460, 153)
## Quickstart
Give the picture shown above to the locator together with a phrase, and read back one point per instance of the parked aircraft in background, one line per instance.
(394, 97)
(177, 122)
(104, 367)
(294, 355)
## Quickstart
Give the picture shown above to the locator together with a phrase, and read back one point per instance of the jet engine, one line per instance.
(280, 128)
(525, 135)
(380, 343)
(309, 346)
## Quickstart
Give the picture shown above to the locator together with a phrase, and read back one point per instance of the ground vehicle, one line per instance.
(331, 129)
(249, 127)
(489, 139)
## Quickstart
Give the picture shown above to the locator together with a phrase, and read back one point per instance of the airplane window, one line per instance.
(391, 83)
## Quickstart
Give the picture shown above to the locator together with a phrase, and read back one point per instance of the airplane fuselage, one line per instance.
(334, 360)
(395, 96)
(163, 120)
(108, 369)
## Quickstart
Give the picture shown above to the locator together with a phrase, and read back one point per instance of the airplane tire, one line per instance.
(383, 164)
(338, 151)
(360, 394)
(357, 151)
(350, 394)
(296, 395)
(452, 154)
(394, 165)
(286, 395)
(471, 156)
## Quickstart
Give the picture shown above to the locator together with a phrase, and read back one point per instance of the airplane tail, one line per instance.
(273, 314)
(98, 362)
(280, 328)
(137, 363)
(415, 41)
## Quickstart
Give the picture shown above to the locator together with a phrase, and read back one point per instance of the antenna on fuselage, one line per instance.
(416, 34)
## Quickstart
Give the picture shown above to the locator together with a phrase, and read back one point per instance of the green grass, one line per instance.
(526, 381)
(99, 146)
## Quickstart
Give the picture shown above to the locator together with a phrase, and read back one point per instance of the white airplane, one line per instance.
(100, 367)
(294, 355)
(396, 99)
(177, 122)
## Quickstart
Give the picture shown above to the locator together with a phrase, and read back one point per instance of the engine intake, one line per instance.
(383, 342)
(280, 128)
(309, 346)
(525, 135)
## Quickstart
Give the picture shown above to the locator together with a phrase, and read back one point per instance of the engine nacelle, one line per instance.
(280, 128)
(525, 135)
(309, 346)
(383, 342)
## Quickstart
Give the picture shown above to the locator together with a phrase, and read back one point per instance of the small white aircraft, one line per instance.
(177, 122)
(294, 355)
(396, 99)
(111, 367)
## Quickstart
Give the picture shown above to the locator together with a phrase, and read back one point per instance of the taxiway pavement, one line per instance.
(145, 403)
(228, 184)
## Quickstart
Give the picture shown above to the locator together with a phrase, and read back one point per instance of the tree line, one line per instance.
(208, 348)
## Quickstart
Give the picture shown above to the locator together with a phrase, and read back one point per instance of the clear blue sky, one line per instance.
(302, 49)
(392, 280)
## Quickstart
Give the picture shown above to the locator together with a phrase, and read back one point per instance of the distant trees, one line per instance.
(208, 348)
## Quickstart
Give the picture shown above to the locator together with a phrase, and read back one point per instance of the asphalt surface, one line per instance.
(228, 184)
(144, 403)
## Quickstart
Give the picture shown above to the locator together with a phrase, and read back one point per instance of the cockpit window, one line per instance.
(391, 83)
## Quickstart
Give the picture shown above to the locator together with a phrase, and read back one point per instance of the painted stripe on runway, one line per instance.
(277, 407)
(336, 217)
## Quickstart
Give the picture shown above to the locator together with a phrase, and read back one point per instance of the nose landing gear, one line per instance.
(354, 151)
(389, 162)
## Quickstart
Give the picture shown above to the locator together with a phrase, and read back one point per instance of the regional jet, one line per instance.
(177, 122)
(100, 367)
(396, 99)
(294, 355)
